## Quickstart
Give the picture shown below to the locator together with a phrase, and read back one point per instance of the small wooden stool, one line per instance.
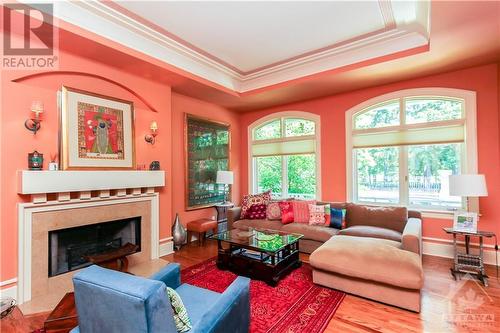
(200, 226)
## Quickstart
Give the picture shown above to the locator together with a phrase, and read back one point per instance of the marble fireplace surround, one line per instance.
(33, 277)
(38, 217)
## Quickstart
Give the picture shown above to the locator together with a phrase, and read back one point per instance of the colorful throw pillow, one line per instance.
(301, 210)
(286, 208)
(273, 211)
(328, 214)
(337, 218)
(254, 199)
(316, 215)
(257, 212)
(181, 318)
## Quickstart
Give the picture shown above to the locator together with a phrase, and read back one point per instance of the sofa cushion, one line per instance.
(197, 300)
(254, 199)
(257, 224)
(316, 215)
(313, 232)
(273, 211)
(301, 210)
(181, 317)
(337, 218)
(394, 218)
(379, 260)
(257, 212)
(286, 208)
(374, 232)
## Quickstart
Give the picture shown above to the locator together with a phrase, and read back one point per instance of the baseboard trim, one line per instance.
(166, 248)
(7, 282)
(444, 249)
(9, 292)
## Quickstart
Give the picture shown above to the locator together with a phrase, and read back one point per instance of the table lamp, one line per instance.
(468, 185)
(226, 178)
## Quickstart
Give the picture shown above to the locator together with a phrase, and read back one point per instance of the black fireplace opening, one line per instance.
(69, 247)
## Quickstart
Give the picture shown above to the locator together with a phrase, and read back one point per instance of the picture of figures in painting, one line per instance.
(100, 132)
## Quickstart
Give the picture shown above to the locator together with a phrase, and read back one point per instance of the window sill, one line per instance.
(437, 214)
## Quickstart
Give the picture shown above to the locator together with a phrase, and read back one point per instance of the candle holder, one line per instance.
(151, 138)
(34, 124)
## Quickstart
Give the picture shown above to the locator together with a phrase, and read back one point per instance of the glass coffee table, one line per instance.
(260, 254)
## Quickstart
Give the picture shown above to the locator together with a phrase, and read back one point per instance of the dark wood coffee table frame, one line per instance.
(266, 266)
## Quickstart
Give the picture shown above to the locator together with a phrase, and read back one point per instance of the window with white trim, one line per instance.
(402, 147)
(284, 155)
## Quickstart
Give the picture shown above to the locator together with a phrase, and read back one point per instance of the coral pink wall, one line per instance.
(95, 56)
(180, 106)
(17, 141)
(483, 80)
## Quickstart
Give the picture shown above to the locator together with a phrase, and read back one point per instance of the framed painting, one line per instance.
(96, 131)
(465, 221)
(207, 148)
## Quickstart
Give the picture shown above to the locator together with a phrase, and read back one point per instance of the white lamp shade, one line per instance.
(468, 185)
(224, 177)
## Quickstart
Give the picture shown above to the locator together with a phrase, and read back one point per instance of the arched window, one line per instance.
(402, 147)
(284, 155)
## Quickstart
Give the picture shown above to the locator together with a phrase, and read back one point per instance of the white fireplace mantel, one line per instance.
(54, 191)
(36, 182)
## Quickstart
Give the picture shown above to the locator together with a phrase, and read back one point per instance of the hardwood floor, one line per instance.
(447, 305)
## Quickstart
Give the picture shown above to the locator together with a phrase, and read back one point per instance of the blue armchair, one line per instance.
(110, 301)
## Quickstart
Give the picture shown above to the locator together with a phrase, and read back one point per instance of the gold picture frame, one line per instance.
(189, 201)
(95, 131)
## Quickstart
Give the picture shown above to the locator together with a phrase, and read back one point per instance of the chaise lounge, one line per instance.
(357, 258)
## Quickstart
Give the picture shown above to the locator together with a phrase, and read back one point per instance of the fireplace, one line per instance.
(69, 247)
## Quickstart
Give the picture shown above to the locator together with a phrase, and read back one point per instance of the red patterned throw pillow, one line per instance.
(273, 211)
(286, 208)
(301, 210)
(257, 212)
(254, 199)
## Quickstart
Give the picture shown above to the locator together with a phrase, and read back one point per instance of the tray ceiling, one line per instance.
(250, 35)
(249, 46)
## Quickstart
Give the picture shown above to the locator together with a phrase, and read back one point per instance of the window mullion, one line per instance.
(402, 111)
(255, 175)
(284, 176)
(403, 176)
(354, 175)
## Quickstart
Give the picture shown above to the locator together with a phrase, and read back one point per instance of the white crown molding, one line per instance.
(105, 21)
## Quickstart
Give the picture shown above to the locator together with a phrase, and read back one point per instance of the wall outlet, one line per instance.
(213, 217)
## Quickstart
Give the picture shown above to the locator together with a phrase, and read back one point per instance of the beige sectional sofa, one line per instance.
(394, 223)
(377, 255)
(314, 236)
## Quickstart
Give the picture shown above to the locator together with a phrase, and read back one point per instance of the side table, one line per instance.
(468, 262)
(222, 209)
(64, 317)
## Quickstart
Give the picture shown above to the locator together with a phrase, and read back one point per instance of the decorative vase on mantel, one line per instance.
(179, 233)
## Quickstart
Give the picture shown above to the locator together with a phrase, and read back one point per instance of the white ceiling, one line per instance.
(250, 35)
(247, 46)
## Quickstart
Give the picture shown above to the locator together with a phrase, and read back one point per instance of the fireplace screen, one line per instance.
(68, 248)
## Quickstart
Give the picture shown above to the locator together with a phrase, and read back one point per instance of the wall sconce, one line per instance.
(151, 138)
(34, 124)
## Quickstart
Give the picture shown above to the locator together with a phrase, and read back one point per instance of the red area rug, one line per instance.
(294, 305)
